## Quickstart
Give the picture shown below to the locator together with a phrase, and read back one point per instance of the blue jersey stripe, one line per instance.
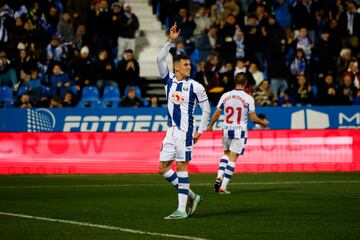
(189, 134)
(168, 87)
(231, 134)
(177, 110)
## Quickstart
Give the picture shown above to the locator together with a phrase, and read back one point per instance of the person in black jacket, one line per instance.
(131, 100)
(129, 23)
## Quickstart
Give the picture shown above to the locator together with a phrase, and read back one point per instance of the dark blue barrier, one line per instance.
(154, 119)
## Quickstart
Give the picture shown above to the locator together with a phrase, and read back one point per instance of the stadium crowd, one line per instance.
(295, 52)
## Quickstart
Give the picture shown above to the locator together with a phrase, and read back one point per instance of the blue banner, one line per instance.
(155, 119)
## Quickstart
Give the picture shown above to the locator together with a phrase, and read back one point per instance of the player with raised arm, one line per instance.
(182, 94)
(237, 105)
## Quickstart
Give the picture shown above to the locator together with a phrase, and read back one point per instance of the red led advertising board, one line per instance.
(138, 152)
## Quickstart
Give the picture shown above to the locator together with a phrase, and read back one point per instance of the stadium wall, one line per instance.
(85, 141)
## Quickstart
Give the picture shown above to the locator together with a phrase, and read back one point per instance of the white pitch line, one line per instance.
(164, 184)
(128, 230)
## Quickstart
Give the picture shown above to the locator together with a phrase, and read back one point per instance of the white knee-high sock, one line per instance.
(173, 179)
(227, 175)
(222, 165)
(183, 190)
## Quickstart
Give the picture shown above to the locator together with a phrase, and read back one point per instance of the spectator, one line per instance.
(256, 73)
(342, 63)
(276, 49)
(286, 100)
(23, 101)
(60, 82)
(116, 12)
(6, 15)
(186, 23)
(303, 16)
(68, 100)
(65, 27)
(353, 69)
(239, 44)
(131, 100)
(101, 26)
(226, 39)
(129, 70)
(254, 39)
(283, 16)
(304, 43)
(324, 54)
(7, 73)
(327, 92)
(55, 103)
(302, 91)
(52, 16)
(202, 21)
(179, 48)
(105, 70)
(129, 24)
(154, 101)
(263, 95)
(79, 10)
(54, 50)
(226, 75)
(347, 90)
(83, 69)
(298, 64)
(349, 21)
(207, 43)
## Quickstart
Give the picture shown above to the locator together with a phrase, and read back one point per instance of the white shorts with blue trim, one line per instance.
(236, 145)
(177, 145)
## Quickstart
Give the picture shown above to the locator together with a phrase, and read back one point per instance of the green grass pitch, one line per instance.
(260, 206)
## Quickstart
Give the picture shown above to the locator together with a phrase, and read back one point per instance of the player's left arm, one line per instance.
(253, 117)
(205, 111)
(214, 118)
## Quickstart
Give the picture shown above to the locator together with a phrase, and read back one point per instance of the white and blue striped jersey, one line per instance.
(237, 105)
(182, 97)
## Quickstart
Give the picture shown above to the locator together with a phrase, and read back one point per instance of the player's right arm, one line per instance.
(161, 59)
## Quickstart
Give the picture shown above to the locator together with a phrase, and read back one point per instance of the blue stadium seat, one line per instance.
(90, 93)
(111, 96)
(46, 91)
(89, 97)
(22, 90)
(6, 94)
(137, 90)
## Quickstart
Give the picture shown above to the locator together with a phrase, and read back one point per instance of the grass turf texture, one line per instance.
(317, 206)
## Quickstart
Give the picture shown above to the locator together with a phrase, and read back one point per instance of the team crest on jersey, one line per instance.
(177, 97)
(185, 88)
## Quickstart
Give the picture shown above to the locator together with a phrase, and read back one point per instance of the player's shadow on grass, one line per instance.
(234, 212)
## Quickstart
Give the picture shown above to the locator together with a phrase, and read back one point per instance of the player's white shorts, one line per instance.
(174, 145)
(236, 145)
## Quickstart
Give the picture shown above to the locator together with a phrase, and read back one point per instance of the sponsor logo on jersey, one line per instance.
(178, 98)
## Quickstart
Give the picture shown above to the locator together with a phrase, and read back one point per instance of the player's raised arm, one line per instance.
(161, 59)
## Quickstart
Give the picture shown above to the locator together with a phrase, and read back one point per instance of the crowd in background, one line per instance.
(295, 52)
(50, 50)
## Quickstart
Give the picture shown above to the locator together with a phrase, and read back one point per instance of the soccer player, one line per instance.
(183, 94)
(237, 105)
